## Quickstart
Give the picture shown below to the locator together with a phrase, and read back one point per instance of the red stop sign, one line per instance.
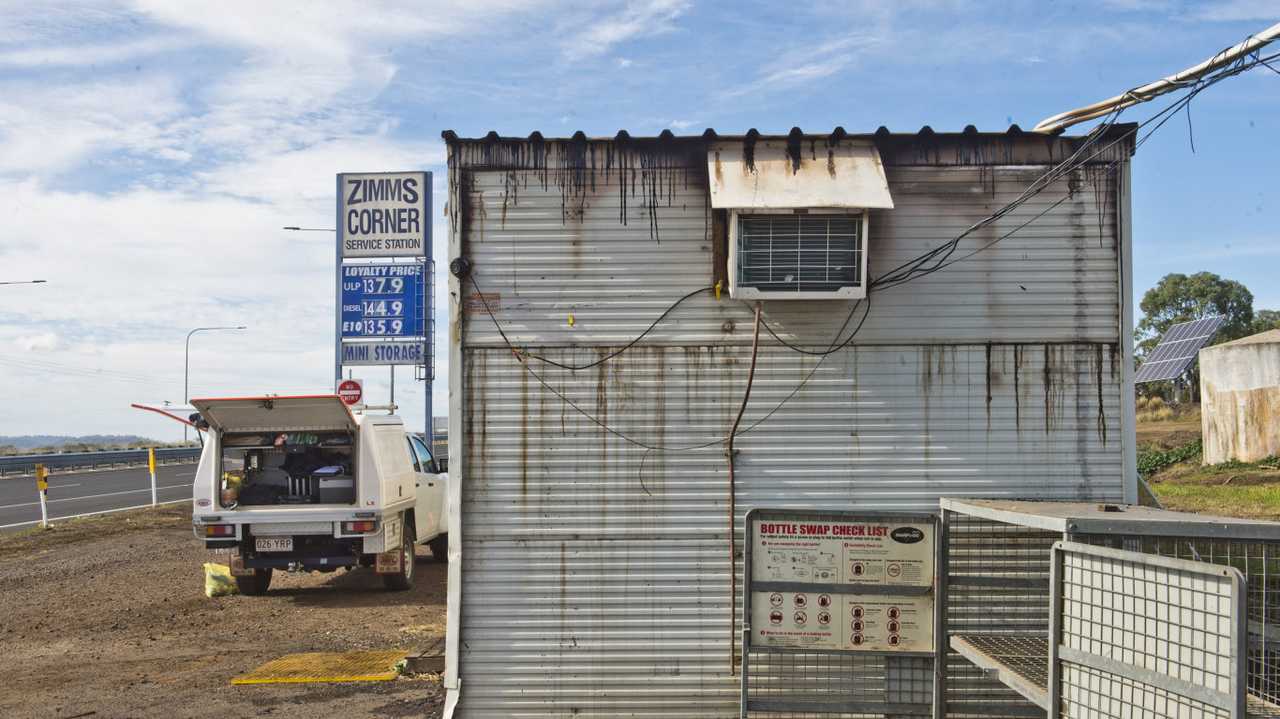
(350, 391)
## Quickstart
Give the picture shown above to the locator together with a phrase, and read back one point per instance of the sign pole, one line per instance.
(428, 320)
(42, 486)
(337, 286)
(151, 465)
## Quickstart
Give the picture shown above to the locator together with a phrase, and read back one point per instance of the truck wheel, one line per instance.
(256, 584)
(404, 580)
(440, 548)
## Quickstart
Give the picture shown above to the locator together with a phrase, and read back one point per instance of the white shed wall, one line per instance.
(594, 573)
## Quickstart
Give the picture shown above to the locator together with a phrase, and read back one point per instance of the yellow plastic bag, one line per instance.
(218, 581)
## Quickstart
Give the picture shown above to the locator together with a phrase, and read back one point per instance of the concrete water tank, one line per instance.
(1240, 399)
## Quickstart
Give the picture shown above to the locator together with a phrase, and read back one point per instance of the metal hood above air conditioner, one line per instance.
(764, 176)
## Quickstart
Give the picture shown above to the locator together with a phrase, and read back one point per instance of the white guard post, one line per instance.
(151, 465)
(42, 488)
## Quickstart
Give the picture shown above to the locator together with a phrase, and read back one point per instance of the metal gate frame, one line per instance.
(1107, 628)
(1012, 541)
(890, 708)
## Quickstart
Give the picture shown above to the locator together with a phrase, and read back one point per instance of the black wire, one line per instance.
(975, 251)
(913, 269)
(834, 341)
(541, 380)
(813, 371)
(660, 448)
(620, 350)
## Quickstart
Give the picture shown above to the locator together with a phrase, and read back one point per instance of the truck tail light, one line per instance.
(361, 527)
(220, 530)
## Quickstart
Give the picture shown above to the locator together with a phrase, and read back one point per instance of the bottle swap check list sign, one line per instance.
(844, 553)
(842, 561)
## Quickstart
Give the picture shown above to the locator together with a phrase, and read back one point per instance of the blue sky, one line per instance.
(151, 150)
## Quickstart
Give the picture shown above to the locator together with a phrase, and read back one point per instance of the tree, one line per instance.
(1264, 320)
(1182, 298)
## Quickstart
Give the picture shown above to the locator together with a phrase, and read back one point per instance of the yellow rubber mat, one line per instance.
(373, 666)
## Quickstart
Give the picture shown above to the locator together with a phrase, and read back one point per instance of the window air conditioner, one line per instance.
(801, 254)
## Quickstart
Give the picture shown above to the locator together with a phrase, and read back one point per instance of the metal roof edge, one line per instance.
(838, 134)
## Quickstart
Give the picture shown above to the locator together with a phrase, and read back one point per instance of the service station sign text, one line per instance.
(382, 214)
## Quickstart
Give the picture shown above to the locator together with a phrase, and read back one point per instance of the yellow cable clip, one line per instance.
(571, 319)
(718, 289)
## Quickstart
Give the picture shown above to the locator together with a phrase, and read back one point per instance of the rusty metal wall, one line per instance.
(538, 262)
(594, 572)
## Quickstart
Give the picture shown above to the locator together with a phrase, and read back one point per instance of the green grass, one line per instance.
(1260, 501)
(1236, 489)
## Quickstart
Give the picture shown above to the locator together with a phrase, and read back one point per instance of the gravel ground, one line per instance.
(107, 618)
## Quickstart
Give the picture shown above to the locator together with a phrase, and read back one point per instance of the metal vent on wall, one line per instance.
(781, 254)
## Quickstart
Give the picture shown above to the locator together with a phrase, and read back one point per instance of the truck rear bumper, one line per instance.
(307, 563)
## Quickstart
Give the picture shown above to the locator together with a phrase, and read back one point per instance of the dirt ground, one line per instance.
(107, 618)
(1167, 435)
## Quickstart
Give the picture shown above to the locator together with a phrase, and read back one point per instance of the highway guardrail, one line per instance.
(26, 463)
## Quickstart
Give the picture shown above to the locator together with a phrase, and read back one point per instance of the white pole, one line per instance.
(151, 464)
(42, 486)
(1152, 90)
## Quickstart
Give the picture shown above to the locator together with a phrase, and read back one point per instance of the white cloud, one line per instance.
(805, 65)
(130, 273)
(307, 174)
(636, 19)
(46, 129)
(42, 342)
(89, 54)
(683, 124)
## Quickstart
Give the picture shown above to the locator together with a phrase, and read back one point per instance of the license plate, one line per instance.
(273, 544)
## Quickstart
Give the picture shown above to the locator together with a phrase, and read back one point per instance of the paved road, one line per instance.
(77, 493)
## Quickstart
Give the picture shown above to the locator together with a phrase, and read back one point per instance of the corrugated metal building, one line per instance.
(592, 577)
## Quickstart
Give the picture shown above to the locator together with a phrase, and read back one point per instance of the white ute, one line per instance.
(302, 483)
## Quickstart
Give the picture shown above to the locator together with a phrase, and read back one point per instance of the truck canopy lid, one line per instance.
(275, 414)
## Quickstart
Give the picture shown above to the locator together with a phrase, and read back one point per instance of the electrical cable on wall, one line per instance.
(923, 265)
(733, 493)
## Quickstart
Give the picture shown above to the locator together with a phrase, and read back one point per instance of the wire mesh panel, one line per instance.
(1144, 637)
(996, 553)
(1259, 563)
(997, 600)
(794, 684)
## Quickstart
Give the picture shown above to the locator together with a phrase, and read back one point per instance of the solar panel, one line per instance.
(1177, 349)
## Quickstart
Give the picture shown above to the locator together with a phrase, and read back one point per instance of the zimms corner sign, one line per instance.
(383, 214)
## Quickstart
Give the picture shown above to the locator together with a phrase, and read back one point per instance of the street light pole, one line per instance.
(186, 370)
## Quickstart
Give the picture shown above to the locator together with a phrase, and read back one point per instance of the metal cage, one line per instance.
(996, 599)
